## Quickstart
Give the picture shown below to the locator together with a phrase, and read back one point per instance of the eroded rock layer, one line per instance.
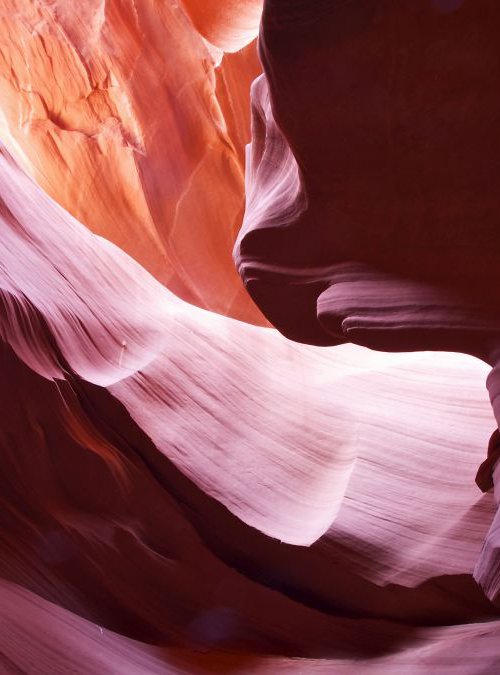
(158, 476)
(131, 120)
(373, 196)
(184, 492)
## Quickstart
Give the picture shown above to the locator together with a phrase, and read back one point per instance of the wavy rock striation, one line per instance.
(372, 195)
(228, 24)
(372, 192)
(184, 492)
(162, 463)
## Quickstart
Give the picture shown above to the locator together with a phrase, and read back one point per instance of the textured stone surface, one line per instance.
(373, 195)
(161, 464)
(228, 24)
(122, 113)
(177, 478)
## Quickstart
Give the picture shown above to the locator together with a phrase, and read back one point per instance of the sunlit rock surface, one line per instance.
(132, 121)
(372, 185)
(161, 464)
(228, 24)
(184, 492)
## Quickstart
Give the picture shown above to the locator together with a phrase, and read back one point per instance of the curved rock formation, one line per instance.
(128, 118)
(372, 183)
(228, 24)
(184, 492)
(372, 190)
(147, 445)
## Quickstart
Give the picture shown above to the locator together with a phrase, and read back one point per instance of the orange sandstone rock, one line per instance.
(229, 24)
(128, 118)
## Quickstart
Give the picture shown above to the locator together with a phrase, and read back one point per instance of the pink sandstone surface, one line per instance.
(185, 492)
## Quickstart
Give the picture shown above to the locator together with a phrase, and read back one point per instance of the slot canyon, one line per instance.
(249, 337)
